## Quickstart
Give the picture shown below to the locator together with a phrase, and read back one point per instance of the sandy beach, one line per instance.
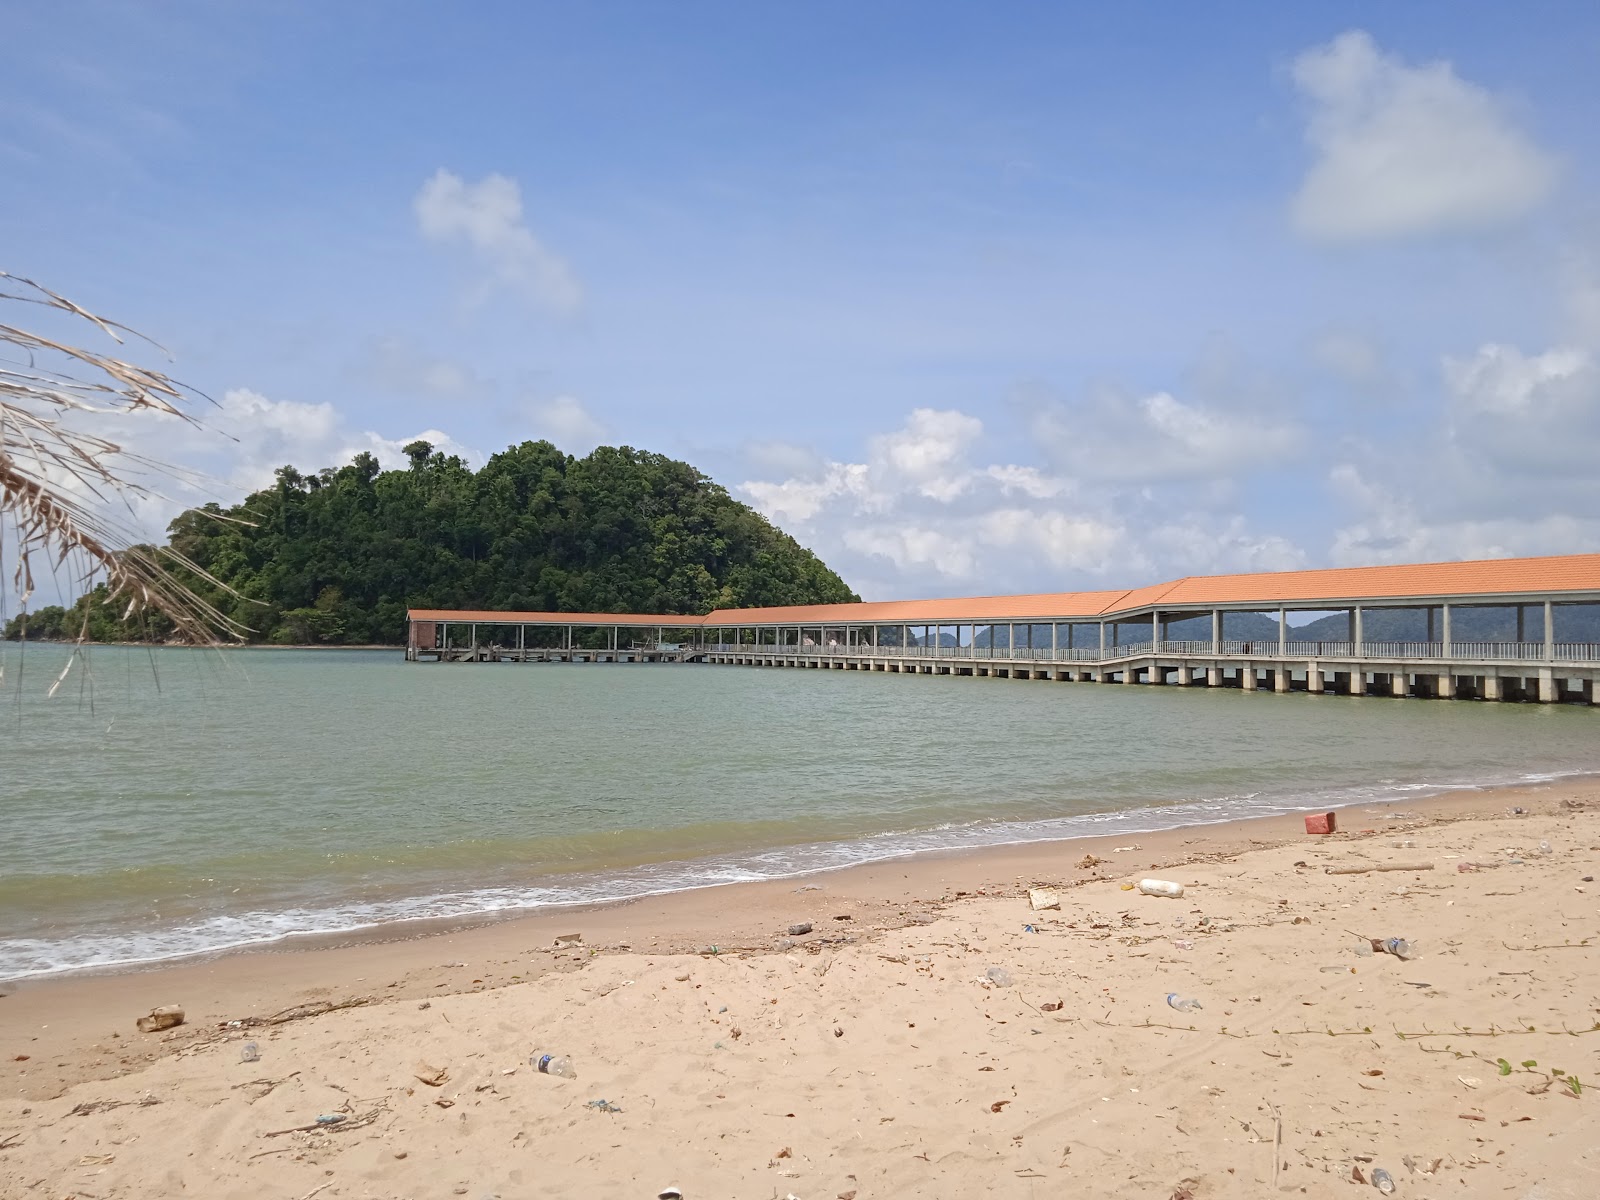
(932, 1036)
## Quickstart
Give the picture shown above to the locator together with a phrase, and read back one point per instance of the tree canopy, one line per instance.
(338, 557)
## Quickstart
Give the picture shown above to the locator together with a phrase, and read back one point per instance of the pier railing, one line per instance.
(1264, 650)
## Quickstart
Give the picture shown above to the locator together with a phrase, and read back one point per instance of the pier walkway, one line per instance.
(1509, 629)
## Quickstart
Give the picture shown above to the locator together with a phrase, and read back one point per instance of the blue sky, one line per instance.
(967, 297)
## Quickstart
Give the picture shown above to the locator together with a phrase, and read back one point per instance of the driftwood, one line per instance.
(298, 1013)
(1377, 867)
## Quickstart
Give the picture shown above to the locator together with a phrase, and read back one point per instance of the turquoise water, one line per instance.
(173, 802)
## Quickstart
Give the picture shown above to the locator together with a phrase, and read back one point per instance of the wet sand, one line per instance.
(874, 1055)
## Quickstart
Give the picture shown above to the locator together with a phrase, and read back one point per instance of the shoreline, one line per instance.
(933, 1035)
(855, 903)
(409, 928)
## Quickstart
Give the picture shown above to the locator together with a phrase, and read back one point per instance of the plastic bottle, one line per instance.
(250, 1052)
(1183, 1003)
(554, 1064)
(1382, 1180)
(1544, 848)
(1398, 947)
(1161, 887)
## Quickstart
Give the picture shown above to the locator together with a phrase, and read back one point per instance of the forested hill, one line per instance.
(338, 557)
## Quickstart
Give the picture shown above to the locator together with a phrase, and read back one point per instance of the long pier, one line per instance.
(1173, 634)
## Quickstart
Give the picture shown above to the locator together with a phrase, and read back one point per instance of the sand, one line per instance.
(875, 1056)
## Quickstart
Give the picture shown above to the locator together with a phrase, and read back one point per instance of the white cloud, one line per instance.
(1506, 468)
(800, 498)
(487, 217)
(1502, 380)
(1030, 481)
(1408, 149)
(241, 446)
(918, 517)
(1114, 436)
(275, 433)
(567, 423)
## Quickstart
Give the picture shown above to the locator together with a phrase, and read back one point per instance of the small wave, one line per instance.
(22, 958)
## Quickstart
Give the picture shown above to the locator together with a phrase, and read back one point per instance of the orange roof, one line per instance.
(979, 608)
(1484, 577)
(1487, 580)
(500, 617)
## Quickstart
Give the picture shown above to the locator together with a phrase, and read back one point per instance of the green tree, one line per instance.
(337, 556)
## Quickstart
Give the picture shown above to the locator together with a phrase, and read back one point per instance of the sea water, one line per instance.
(171, 802)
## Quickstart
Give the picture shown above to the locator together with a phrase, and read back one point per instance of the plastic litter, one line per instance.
(1382, 1180)
(165, 1017)
(800, 930)
(1043, 898)
(1161, 887)
(998, 976)
(250, 1052)
(604, 1106)
(1183, 1003)
(553, 1064)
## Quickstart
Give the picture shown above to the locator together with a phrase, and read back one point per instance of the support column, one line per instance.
(1213, 676)
(1358, 681)
(1282, 677)
(1155, 632)
(1130, 674)
(1247, 677)
(1547, 675)
(1102, 639)
(1283, 633)
(1314, 678)
(1358, 636)
(1182, 678)
(1444, 621)
(1055, 650)
(1216, 631)
(1011, 638)
(1549, 636)
(1491, 687)
(1445, 686)
(1398, 685)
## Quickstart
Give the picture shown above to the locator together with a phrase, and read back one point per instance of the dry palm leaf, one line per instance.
(61, 484)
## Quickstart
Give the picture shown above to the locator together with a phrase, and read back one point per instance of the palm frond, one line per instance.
(62, 484)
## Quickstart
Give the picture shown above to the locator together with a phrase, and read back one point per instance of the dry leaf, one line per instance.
(998, 1105)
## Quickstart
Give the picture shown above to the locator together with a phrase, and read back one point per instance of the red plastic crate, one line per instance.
(1320, 823)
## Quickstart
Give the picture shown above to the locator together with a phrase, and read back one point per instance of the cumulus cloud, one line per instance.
(567, 423)
(1403, 150)
(925, 514)
(243, 444)
(486, 218)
